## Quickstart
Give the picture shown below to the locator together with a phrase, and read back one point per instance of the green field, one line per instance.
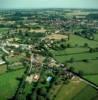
(96, 36)
(66, 91)
(74, 90)
(3, 30)
(74, 39)
(79, 54)
(88, 93)
(88, 68)
(9, 83)
(62, 56)
(69, 51)
(93, 78)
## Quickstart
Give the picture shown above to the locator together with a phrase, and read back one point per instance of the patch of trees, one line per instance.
(14, 18)
(59, 45)
(92, 16)
(30, 37)
(92, 50)
(36, 27)
(87, 33)
(22, 14)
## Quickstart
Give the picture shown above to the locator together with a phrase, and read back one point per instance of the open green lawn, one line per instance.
(74, 39)
(73, 91)
(87, 68)
(67, 91)
(88, 93)
(96, 36)
(69, 51)
(3, 30)
(93, 78)
(9, 84)
(77, 56)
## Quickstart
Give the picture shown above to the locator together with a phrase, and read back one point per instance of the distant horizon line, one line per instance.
(45, 8)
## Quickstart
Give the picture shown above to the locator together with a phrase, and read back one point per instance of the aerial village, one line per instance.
(48, 54)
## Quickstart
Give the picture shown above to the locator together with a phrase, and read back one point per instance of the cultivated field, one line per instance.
(56, 37)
